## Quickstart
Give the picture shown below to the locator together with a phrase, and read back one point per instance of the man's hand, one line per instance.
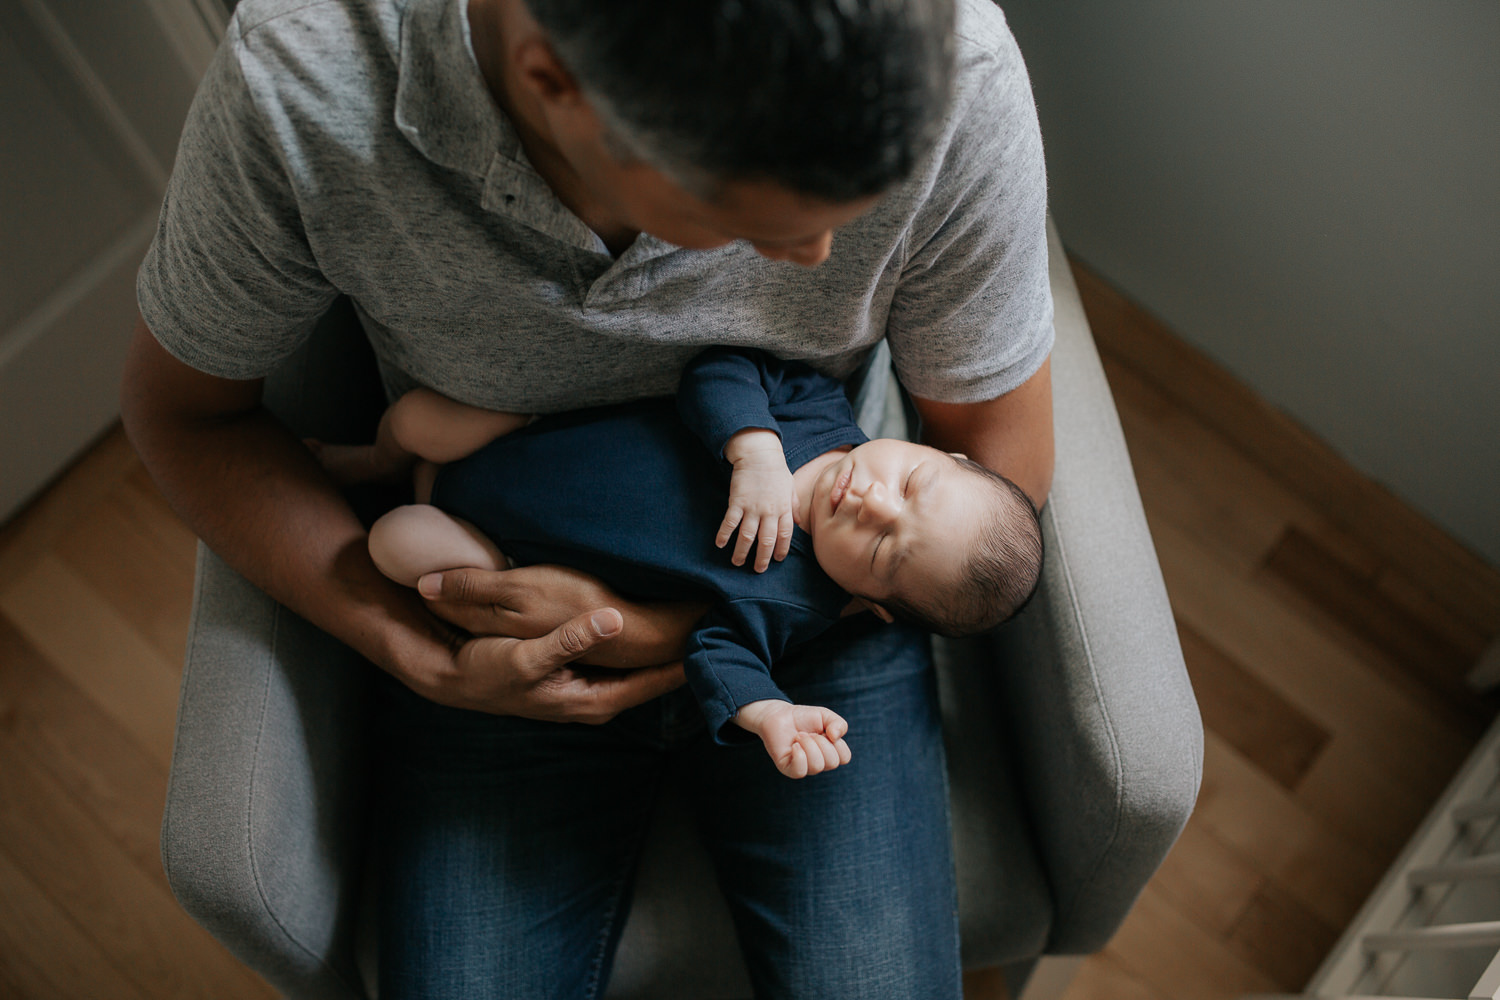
(536, 678)
(531, 601)
(761, 498)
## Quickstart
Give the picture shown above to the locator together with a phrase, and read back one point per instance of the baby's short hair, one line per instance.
(1001, 572)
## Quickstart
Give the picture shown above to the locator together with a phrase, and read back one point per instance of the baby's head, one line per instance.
(926, 536)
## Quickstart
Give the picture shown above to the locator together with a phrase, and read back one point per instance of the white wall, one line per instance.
(92, 98)
(1308, 191)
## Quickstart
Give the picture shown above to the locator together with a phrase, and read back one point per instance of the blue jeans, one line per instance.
(507, 847)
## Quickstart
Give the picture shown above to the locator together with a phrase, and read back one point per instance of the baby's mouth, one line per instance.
(840, 488)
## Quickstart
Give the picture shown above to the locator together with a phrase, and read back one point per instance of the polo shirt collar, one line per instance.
(442, 105)
(444, 109)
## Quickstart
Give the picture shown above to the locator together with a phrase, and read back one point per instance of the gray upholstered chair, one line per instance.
(1075, 743)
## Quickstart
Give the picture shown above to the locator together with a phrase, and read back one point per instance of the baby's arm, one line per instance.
(801, 739)
(421, 425)
(761, 498)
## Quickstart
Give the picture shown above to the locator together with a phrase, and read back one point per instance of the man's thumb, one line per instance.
(572, 639)
(463, 586)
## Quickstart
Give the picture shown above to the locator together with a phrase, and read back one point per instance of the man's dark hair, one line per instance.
(1001, 573)
(835, 99)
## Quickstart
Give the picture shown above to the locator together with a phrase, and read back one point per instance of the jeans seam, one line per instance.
(606, 928)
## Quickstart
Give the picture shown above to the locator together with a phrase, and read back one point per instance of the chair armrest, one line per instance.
(263, 835)
(1104, 724)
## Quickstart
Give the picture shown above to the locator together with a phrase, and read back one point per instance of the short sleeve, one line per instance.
(229, 284)
(971, 318)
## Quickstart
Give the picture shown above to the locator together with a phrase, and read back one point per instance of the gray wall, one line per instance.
(1309, 192)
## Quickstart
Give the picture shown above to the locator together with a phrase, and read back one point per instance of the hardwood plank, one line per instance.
(1359, 799)
(1102, 977)
(139, 494)
(12, 978)
(1271, 732)
(985, 984)
(1328, 873)
(1208, 880)
(1432, 559)
(1192, 476)
(87, 876)
(1393, 586)
(145, 583)
(1282, 937)
(98, 650)
(76, 492)
(1322, 677)
(43, 953)
(1180, 959)
(50, 725)
(1415, 655)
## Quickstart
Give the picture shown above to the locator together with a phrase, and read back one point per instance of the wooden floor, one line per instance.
(1326, 627)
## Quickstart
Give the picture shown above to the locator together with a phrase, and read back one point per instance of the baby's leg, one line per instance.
(420, 427)
(412, 541)
(438, 429)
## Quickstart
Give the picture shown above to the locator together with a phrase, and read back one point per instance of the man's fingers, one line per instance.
(569, 641)
(466, 586)
(612, 693)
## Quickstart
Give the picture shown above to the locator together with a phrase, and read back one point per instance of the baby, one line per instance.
(628, 494)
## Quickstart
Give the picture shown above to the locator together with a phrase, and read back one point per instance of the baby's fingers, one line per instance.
(726, 527)
(796, 762)
(784, 536)
(769, 537)
(821, 754)
(748, 528)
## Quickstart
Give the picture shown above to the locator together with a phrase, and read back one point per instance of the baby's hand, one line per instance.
(801, 739)
(761, 498)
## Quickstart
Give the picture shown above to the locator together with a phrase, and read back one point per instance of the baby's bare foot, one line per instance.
(351, 464)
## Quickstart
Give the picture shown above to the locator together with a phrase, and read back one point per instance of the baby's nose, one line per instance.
(878, 505)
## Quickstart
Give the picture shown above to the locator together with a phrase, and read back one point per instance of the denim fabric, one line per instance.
(507, 847)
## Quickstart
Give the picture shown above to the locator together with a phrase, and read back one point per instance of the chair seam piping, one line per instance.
(260, 889)
(1109, 728)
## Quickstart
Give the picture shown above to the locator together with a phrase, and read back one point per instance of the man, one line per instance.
(541, 206)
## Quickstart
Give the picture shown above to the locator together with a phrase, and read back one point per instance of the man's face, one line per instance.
(780, 224)
(892, 517)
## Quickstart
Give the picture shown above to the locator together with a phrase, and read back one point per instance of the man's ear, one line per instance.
(539, 68)
(880, 612)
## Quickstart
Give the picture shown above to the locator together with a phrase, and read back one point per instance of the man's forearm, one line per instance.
(1011, 434)
(255, 495)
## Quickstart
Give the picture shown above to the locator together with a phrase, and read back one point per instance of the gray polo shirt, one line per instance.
(338, 147)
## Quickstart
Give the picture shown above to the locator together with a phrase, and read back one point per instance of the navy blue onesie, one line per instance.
(629, 494)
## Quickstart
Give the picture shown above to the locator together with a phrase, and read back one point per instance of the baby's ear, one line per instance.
(880, 612)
